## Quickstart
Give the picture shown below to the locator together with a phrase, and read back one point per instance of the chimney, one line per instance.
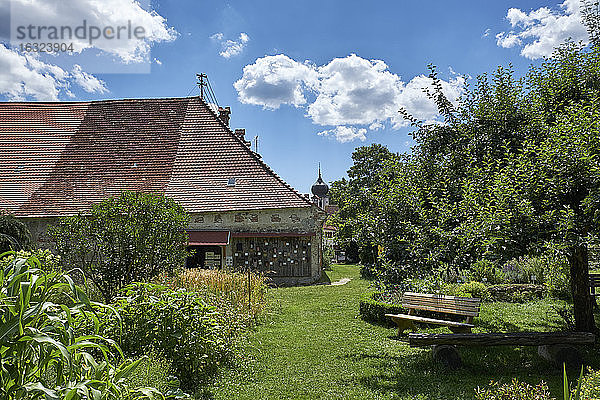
(240, 133)
(224, 114)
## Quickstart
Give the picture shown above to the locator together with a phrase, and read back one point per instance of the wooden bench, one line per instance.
(594, 283)
(463, 306)
(557, 347)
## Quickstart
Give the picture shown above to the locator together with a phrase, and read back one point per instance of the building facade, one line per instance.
(61, 158)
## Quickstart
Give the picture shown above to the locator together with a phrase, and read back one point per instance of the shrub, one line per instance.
(486, 271)
(368, 272)
(590, 385)
(373, 309)
(43, 354)
(48, 261)
(177, 325)
(513, 391)
(328, 257)
(155, 371)
(525, 270)
(558, 278)
(516, 293)
(468, 289)
(14, 234)
(127, 239)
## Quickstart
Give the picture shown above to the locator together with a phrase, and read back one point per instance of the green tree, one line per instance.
(512, 171)
(590, 13)
(123, 240)
(532, 172)
(356, 221)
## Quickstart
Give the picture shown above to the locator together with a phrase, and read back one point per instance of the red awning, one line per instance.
(209, 238)
(271, 234)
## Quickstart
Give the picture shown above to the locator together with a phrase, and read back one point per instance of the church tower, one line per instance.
(320, 191)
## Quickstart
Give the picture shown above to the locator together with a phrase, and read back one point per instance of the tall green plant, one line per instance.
(14, 234)
(126, 239)
(43, 353)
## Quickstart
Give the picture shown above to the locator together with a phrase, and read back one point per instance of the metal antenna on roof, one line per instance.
(206, 90)
(256, 144)
(201, 84)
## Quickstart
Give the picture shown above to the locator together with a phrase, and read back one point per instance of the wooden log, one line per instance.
(501, 339)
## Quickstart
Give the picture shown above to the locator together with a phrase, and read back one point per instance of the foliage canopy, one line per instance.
(513, 170)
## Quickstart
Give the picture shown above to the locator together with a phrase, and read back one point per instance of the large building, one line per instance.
(60, 158)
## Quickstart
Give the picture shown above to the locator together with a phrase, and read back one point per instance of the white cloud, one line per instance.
(230, 48)
(24, 76)
(345, 134)
(275, 80)
(349, 93)
(88, 82)
(541, 30)
(486, 33)
(100, 15)
(375, 126)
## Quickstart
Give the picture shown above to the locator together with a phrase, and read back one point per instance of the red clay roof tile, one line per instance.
(60, 158)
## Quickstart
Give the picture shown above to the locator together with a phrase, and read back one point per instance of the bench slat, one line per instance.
(442, 301)
(459, 306)
(429, 320)
(441, 296)
(444, 310)
(439, 303)
(499, 339)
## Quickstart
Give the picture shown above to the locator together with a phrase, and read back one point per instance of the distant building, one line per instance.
(320, 191)
(60, 158)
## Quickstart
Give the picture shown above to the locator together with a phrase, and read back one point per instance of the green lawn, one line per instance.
(313, 345)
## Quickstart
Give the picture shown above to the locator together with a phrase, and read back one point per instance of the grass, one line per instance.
(313, 345)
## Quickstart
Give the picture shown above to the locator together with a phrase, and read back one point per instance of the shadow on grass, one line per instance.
(415, 374)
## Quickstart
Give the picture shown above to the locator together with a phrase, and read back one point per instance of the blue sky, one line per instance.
(313, 79)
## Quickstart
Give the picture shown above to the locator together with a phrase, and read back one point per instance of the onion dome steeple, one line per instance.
(320, 188)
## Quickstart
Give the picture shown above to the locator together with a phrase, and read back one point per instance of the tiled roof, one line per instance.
(60, 158)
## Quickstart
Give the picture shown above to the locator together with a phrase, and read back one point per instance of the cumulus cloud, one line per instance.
(36, 76)
(230, 48)
(88, 82)
(25, 76)
(275, 80)
(345, 134)
(350, 94)
(540, 31)
(109, 14)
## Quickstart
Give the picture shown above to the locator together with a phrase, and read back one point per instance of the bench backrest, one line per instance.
(594, 283)
(439, 303)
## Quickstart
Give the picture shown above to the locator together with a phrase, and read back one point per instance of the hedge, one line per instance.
(374, 311)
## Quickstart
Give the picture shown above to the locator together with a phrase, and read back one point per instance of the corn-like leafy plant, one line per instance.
(567, 393)
(43, 352)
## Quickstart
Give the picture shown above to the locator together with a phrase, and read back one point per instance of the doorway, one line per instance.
(206, 257)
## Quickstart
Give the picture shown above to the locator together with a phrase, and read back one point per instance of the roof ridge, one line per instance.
(253, 154)
(129, 99)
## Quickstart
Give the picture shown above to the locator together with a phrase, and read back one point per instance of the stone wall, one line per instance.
(305, 222)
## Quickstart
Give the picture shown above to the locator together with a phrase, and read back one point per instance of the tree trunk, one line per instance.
(582, 301)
